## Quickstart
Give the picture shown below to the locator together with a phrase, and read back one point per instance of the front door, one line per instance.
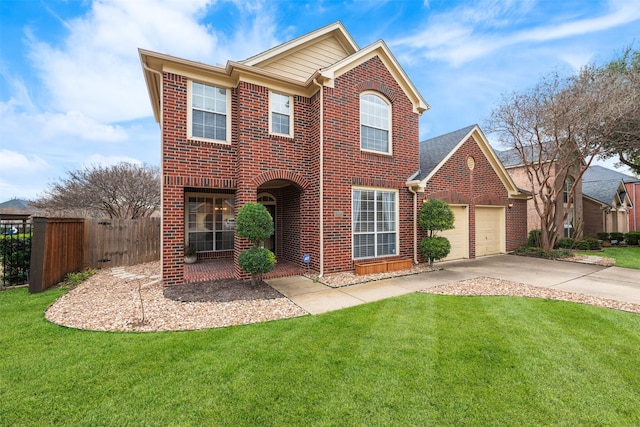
(270, 243)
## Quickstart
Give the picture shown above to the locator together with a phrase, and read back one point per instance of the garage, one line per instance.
(459, 236)
(490, 230)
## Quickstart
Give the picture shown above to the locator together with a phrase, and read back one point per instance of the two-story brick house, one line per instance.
(322, 132)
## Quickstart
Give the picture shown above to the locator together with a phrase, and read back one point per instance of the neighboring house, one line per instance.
(322, 132)
(490, 212)
(606, 204)
(633, 191)
(572, 225)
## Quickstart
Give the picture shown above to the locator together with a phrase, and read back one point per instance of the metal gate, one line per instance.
(15, 253)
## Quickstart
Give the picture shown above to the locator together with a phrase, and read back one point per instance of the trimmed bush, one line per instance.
(587, 244)
(617, 236)
(534, 238)
(632, 238)
(435, 248)
(257, 260)
(564, 243)
(603, 235)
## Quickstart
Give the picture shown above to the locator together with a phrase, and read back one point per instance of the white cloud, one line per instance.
(467, 33)
(12, 161)
(38, 129)
(101, 160)
(97, 69)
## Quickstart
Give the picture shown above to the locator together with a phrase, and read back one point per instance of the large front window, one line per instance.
(374, 223)
(374, 123)
(208, 112)
(210, 222)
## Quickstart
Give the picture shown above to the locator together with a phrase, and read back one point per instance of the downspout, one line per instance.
(321, 189)
(160, 116)
(410, 186)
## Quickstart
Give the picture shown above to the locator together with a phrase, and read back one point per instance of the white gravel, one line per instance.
(132, 299)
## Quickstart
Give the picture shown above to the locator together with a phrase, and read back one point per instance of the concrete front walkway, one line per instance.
(621, 284)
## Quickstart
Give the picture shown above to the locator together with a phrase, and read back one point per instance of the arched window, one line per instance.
(568, 222)
(375, 119)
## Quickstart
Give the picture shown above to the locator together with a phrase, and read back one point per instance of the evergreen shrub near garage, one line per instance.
(603, 235)
(617, 236)
(565, 243)
(632, 238)
(587, 244)
(534, 239)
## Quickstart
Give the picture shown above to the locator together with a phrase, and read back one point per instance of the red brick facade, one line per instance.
(456, 183)
(288, 168)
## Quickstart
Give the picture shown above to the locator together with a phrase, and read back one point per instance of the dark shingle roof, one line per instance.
(602, 184)
(15, 204)
(512, 157)
(434, 150)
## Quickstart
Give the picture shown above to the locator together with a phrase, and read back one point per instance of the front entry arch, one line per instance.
(269, 202)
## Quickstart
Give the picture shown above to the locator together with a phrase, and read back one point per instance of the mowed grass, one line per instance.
(414, 360)
(628, 257)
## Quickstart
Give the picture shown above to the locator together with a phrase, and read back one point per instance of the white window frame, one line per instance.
(376, 232)
(227, 139)
(272, 111)
(389, 122)
(213, 196)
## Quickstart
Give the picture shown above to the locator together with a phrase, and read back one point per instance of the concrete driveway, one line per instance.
(606, 282)
(616, 283)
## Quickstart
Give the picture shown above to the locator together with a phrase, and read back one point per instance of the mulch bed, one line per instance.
(221, 291)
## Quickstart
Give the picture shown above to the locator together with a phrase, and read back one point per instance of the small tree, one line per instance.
(255, 223)
(435, 215)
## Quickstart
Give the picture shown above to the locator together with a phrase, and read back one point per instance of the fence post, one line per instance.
(36, 273)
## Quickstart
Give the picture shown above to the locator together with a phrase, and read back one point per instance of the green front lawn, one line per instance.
(414, 360)
(628, 257)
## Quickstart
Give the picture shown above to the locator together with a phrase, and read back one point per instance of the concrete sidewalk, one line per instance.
(621, 284)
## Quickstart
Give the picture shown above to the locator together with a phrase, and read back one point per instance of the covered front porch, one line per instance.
(221, 269)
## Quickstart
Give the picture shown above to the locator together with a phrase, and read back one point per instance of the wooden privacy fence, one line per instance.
(65, 245)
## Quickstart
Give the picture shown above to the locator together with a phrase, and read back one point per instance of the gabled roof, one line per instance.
(15, 204)
(435, 152)
(293, 67)
(324, 46)
(512, 158)
(599, 173)
(605, 186)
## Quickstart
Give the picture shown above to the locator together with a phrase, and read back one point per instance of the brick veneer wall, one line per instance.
(346, 166)
(255, 158)
(455, 183)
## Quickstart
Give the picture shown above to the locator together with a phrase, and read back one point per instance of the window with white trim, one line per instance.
(375, 214)
(210, 222)
(208, 112)
(280, 113)
(375, 117)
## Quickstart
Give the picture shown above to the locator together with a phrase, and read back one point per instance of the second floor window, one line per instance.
(280, 114)
(208, 112)
(374, 123)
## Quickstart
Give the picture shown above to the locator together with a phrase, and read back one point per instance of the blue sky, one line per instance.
(72, 91)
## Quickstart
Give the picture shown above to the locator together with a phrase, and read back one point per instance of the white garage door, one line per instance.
(459, 236)
(490, 234)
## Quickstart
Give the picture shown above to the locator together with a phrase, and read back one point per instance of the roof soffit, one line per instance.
(335, 30)
(380, 50)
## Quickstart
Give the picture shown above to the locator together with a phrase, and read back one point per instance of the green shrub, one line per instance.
(587, 244)
(564, 243)
(435, 248)
(561, 253)
(15, 255)
(632, 238)
(532, 251)
(72, 280)
(603, 235)
(255, 223)
(534, 238)
(617, 236)
(257, 260)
